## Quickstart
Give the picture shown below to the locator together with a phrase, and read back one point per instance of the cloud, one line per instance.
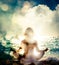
(40, 18)
(56, 19)
(26, 6)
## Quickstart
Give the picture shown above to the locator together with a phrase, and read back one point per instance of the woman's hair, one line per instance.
(28, 30)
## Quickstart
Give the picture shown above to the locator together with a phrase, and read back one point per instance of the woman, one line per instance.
(30, 47)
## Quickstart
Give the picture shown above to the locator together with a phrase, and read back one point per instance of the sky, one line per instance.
(41, 15)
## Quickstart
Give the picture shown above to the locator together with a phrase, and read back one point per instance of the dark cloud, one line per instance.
(9, 2)
(50, 3)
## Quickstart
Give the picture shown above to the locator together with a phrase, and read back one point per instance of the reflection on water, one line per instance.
(53, 45)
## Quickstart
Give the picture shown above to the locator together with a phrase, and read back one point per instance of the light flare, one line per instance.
(4, 7)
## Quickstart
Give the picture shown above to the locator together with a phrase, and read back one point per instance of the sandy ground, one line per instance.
(47, 61)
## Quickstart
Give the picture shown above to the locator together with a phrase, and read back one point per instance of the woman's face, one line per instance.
(29, 34)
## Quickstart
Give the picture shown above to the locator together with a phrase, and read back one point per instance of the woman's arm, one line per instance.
(39, 49)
